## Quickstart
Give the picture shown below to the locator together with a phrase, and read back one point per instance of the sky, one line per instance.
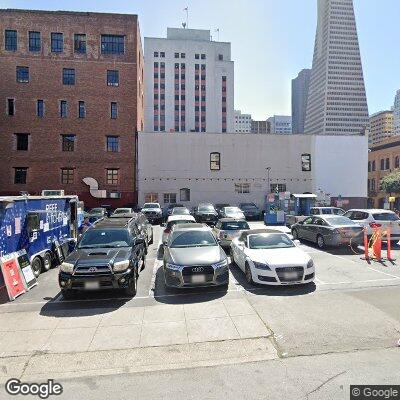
(272, 40)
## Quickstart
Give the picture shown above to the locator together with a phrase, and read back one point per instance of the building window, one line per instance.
(176, 55)
(112, 44)
(10, 107)
(169, 198)
(215, 161)
(162, 54)
(11, 41)
(68, 76)
(63, 109)
(22, 141)
(112, 176)
(242, 188)
(114, 110)
(22, 74)
(397, 162)
(387, 164)
(184, 194)
(277, 187)
(113, 144)
(373, 165)
(112, 78)
(57, 42)
(183, 55)
(68, 142)
(382, 164)
(67, 175)
(156, 54)
(81, 109)
(306, 162)
(20, 175)
(220, 57)
(224, 79)
(40, 108)
(80, 43)
(34, 41)
(197, 56)
(151, 197)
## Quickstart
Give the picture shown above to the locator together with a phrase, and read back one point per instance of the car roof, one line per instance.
(181, 217)
(371, 210)
(259, 231)
(112, 223)
(124, 215)
(328, 216)
(194, 226)
(230, 219)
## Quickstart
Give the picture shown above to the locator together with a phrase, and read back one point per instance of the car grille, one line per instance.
(207, 270)
(297, 273)
(93, 270)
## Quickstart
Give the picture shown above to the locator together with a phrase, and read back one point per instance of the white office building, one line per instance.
(242, 122)
(396, 113)
(280, 124)
(189, 83)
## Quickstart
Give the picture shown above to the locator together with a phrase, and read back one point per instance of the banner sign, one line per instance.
(25, 266)
(12, 276)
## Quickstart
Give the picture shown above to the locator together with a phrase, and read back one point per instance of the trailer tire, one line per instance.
(37, 266)
(47, 262)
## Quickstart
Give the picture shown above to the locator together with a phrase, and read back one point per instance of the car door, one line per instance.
(304, 228)
(240, 256)
(318, 227)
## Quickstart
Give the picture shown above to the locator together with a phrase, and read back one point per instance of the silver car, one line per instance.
(227, 229)
(172, 221)
(193, 257)
(232, 212)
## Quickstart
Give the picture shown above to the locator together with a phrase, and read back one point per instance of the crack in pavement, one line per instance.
(324, 383)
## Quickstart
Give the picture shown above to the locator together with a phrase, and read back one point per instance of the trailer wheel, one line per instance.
(47, 262)
(36, 266)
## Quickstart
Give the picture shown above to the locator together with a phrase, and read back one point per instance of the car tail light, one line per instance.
(374, 225)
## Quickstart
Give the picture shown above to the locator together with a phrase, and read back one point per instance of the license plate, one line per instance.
(92, 285)
(198, 278)
(290, 275)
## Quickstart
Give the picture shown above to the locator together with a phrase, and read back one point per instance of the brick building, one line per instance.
(71, 104)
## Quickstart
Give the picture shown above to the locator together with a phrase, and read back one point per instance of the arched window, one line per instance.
(382, 164)
(387, 164)
(397, 162)
(184, 194)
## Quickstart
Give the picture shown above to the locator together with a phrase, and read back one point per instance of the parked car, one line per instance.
(153, 212)
(167, 211)
(329, 230)
(220, 206)
(102, 211)
(93, 218)
(227, 229)
(232, 212)
(205, 212)
(326, 211)
(377, 218)
(270, 257)
(172, 221)
(180, 211)
(125, 210)
(193, 257)
(108, 256)
(250, 210)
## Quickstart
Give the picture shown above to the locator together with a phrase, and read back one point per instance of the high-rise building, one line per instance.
(280, 124)
(337, 102)
(260, 127)
(71, 95)
(396, 113)
(380, 127)
(242, 122)
(300, 86)
(188, 83)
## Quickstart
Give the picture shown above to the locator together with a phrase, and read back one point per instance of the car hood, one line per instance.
(207, 212)
(150, 209)
(196, 255)
(292, 256)
(98, 256)
(235, 215)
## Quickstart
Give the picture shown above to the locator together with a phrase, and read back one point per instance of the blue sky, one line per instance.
(271, 41)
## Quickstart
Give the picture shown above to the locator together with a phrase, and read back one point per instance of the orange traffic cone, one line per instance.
(377, 245)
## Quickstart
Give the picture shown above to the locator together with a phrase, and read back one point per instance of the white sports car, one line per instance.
(270, 257)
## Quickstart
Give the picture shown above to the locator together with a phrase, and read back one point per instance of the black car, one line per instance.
(205, 213)
(109, 255)
(250, 211)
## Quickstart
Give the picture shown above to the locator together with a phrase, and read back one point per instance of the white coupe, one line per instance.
(270, 257)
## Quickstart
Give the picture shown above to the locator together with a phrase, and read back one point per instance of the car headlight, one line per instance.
(221, 264)
(310, 264)
(121, 266)
(173, 267)
(263, 266)
(67, 267)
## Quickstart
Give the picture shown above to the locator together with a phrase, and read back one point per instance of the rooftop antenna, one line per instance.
(186, 24)
(217, 31)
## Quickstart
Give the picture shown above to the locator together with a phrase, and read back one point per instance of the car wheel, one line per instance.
(320, 241)
(247, 272)
(131, 290)
(295, 234)
(36, 266)
(68, 294)
(47, 262)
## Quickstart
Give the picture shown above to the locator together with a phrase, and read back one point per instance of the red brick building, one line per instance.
(71, 103)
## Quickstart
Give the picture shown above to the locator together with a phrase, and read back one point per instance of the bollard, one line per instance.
(389, 246)
(366, 250)
(377, 245)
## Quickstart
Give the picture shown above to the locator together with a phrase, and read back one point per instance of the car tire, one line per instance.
(295, 234)
(131, 290)
(67, 294)
(37, 266)
(320, 242)
(47, 262)
(248, 275)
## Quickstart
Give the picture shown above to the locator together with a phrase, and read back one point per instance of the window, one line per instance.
(68, 76)
(242, 188)
(34, 41)
(112, 78)
(162, 54)
(63, 109)
(387, 164)
(156, 54)
(151, 197)
(397, 162)
(169, 198)
(220, 57)
(68, 142)
(40, 108)
(20, 175)
(184, 194)
(57, 42)
(306, 162)
(22, 141)
(183, 55)
(113, 144)
(10, 107)
(382, 164)
(114, 110)
(23, 74)
(215, 161)
(176, 55)
(277, 187)
(81, 109)
(224, 79)
(80, 43)
(11, 41)
(67, 175)
(112, 176)
(373, 165)
(112, 44)
(197, 56)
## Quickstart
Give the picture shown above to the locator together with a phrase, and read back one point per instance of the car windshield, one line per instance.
(206, 208)
(151, 205)
(336, 221)
(180, 211)
(192, 238)
(122, 210)
(270, 241)
(385, 216)
(232, 210)
(181, 221)
(234, 225)
(96, 238)
(326, 211)
(96, 211)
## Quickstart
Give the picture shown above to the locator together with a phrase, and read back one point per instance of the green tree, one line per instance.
(391, 182)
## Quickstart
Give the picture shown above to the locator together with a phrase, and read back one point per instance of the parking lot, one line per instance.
(352, 305)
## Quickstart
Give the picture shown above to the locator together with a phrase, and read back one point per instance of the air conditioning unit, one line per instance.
(115, 195)
(53, 192)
